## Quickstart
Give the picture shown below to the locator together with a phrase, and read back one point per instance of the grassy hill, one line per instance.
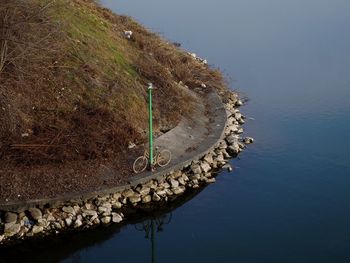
(73, 90)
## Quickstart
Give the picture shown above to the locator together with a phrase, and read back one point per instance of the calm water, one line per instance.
(288, 200)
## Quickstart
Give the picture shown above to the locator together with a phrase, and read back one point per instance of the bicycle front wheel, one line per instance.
(164, 158)
(140, 164)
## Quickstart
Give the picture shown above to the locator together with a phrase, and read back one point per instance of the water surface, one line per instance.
(288, 200)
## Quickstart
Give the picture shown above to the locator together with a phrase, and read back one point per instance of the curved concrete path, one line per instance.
(188, 141)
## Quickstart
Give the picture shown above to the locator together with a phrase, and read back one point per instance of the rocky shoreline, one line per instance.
(104, 210)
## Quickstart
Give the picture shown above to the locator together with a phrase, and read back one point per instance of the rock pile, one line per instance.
(104, 210)
(199, 59)
(128, 34)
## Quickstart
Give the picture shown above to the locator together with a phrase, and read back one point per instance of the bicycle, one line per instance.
(162, 158)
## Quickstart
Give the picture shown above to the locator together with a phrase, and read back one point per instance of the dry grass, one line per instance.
(72, 87)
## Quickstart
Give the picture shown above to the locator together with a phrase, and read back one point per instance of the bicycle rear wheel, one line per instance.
(164, 158)
(140, 164)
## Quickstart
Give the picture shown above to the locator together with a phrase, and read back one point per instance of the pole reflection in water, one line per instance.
(150, 227)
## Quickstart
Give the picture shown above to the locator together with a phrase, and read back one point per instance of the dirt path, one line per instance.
(190, 140)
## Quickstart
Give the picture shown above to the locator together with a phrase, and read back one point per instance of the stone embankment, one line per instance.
(104, 210)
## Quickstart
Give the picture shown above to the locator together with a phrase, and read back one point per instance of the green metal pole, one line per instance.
(150, 87)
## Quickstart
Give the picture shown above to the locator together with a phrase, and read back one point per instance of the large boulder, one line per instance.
(35, 213)
(11, 217)
(116, 218)
(68, 210)
(196, 169)
(11, 229)
(134, 199)
(205, 167)
(208, 158)
(127, 193)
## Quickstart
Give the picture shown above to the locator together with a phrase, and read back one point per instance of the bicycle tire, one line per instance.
(163, 158)
(140, 164)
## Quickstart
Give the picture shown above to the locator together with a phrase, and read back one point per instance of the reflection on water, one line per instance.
(151, 227)
(289, 200)
(146, 223)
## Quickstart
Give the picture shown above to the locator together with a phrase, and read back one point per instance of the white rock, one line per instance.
(205, 167)
(116, 218)
(208, 175)
(11, 229)
(181, 181)
(185, 177)
(124, 201)
(69, 221)
(156, 197)
(239, 103)
(225, 153)
(240, 130)
(134, 199)
(222, 145)
(220, 158)
(107, 205)
(35, 213)
(232, 139)
(238, 116)
(76, 209)
(103, 209)
(177, 174)
(96, 221)
(146, 199)
(231, 120)
(106, 220)
(208, 158)
(195, 177)
(68, 210)
(56, 225)
(116, 196)
(178, 190)
(196, 169)
(128, 34)
(78, 223)
(165, 185)
(10, 217)
(42, 222)
(144, 191)
(232, 128)
(234, 149)
(127, 193)
(37, 229)
(169, 192)
(117, 205)
(89, 206)
(161, 193)
(88, 212)
(174, 183)
(211, 180)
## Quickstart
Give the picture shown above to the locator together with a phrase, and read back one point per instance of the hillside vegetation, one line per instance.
(73, 87)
